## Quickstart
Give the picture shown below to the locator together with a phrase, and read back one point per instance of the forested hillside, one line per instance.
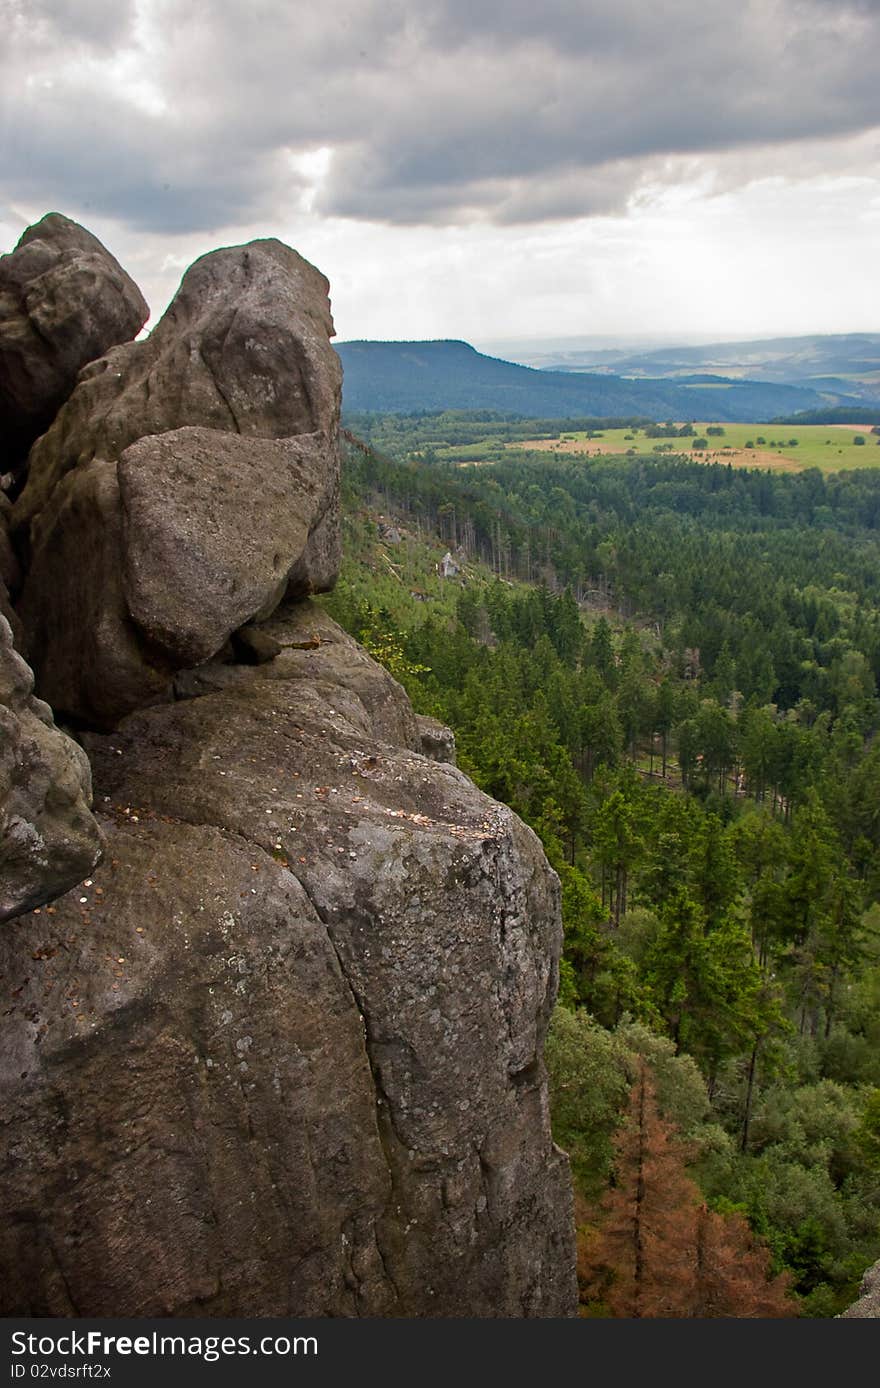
(401, 376)
(670, 671)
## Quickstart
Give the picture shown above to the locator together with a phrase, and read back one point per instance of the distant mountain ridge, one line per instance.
(402, 377)
(847, 363)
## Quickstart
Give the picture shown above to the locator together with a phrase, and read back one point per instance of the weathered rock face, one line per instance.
(244, 348)
(195, 572)
(311, 989)
(437, 741)
(48, 837)
(64, 300)
(868, 1305)
(190, 481)
(88, 657)
(227, 1159)
(9, 570)
(280, 1054)
(147, 565)
(10, 573)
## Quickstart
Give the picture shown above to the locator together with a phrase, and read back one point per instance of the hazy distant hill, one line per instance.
(399, 377)
(847, 363)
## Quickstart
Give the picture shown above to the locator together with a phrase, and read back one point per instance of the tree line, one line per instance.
(705, 780)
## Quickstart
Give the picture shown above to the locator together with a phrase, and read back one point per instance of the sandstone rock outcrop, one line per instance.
(244, 347)
(48, 837)
(189, 482)
(222, 555)
(281, 1053)
(312, 986)
(64, 300)
(868, 1305)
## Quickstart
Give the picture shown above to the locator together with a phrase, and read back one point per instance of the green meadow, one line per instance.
(789, 447)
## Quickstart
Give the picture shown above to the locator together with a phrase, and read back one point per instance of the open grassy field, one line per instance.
(781, 447)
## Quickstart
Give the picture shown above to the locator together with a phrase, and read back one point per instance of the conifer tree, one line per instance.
(658, 1250)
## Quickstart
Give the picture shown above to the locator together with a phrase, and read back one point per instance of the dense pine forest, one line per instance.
(669, 670)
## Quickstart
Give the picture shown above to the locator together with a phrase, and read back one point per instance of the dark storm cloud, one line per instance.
(191, 116)
(108, 161)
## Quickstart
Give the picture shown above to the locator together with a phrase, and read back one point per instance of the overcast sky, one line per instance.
(483, 169)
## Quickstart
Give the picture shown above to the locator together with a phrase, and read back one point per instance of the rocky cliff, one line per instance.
(868, 1305)
(279, 1052)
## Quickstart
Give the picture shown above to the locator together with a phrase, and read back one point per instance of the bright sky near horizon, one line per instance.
(489, 171)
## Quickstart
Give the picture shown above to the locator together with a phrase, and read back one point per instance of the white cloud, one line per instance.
(433, 110)
(586, 151)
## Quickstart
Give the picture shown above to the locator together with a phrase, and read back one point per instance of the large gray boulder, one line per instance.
(297, 1021)
(88, 657)
(222, 554)
(64, 300)
(191, 480)
(48, 838)
(244, 347)
(147, 566)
